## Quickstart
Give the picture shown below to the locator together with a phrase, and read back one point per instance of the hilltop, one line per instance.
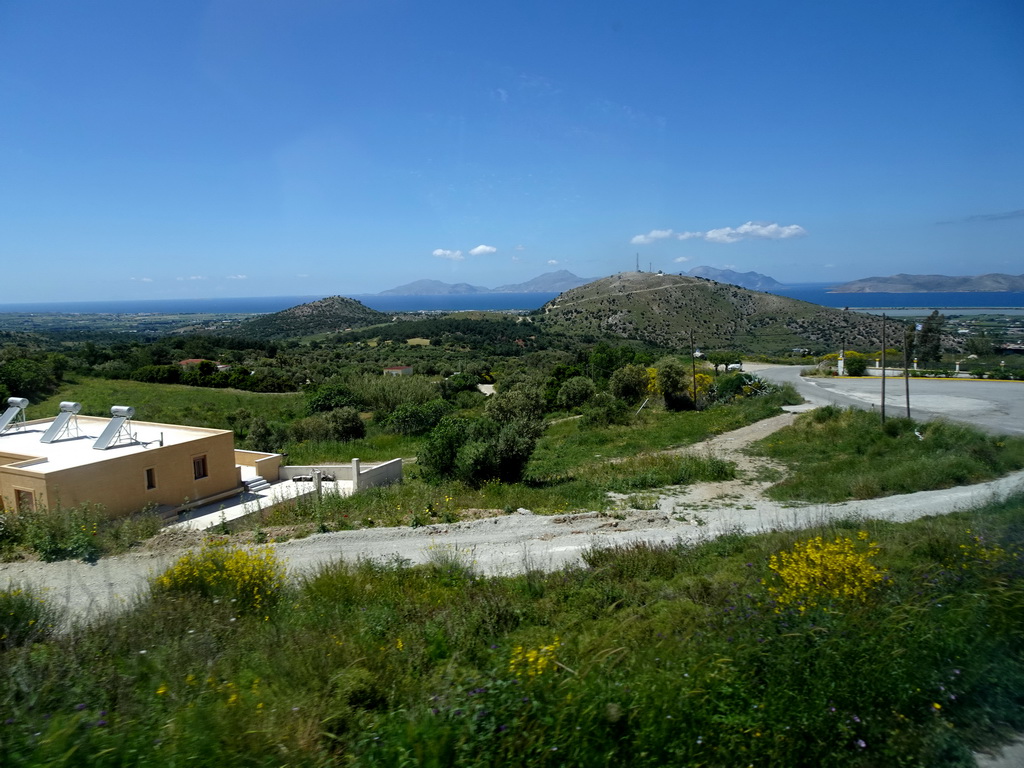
(334, 313)
(664, 309)
(995, 282)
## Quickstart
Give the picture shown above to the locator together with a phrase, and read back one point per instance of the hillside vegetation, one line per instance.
(335, 313)
(664, 309)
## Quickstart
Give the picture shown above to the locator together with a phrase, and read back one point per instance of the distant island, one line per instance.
(992, 283)
(549, 282)
(564, 280)
(755, 281)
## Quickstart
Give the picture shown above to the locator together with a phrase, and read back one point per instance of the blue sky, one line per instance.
(245, 148)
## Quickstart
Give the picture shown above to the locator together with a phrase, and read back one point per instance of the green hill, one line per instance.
(664, 309)
(335, 313)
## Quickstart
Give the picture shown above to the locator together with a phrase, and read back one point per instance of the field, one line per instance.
(834, 455)
(170, 403)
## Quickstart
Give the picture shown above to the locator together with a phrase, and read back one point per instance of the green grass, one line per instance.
(644, 655)
(567, 446)
(570, 470)
(377, 446)
(834, 455)
(170, 403)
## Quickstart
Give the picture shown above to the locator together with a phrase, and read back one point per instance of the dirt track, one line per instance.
(512, 543)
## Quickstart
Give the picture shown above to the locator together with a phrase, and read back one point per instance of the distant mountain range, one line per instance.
(549, 282)
(755, 281)
(995, 282)
(564, 280)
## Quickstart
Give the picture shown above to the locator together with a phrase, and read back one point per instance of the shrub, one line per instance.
(629, 383)
(733, 385)
(386, 393)
(24, 618)
(341, 425)
(522, 401)
(60, 534)
(478, 451)
(253, 578)
(816, 570)
(855, 366)
(575, 392)
(460, 382)
(330, 396)
(158, 374)
(416, 419)
(605, 409)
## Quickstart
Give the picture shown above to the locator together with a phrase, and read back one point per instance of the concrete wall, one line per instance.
(361, 477)
(267, 465)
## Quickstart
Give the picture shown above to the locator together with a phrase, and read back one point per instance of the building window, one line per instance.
(199, 467)
(150, 478)
(25, 501)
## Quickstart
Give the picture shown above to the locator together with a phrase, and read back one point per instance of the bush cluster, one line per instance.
(251, 578)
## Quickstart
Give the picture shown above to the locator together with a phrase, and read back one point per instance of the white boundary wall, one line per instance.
(361, 477)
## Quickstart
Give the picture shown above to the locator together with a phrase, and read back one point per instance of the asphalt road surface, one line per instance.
(995, 406)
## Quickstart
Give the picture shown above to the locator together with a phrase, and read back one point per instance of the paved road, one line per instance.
(995, 406)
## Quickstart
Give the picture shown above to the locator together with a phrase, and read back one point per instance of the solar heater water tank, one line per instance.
(18, 402)
(67, 406)
(124, 411)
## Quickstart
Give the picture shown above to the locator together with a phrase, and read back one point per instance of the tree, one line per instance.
(629, 383)
(575, 392)
(521, 402)
(672, 382)
(980, 345)
(722, 358)
(417, 418)
(929, 338)
(478, 451)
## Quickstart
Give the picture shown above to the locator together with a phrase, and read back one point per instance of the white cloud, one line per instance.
(520, 247)
(650, 237)
(143, 279)
(754, 229)
(552, 262)
(444, 253)
(238, 277)
(746, 231)
(192, 277)
(481, 250)
(302, 274)
(680, 259)
(723, 235)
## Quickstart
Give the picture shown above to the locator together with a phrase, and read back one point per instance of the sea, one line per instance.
(816, 293)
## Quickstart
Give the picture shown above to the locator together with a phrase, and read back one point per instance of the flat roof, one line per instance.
(75, 449)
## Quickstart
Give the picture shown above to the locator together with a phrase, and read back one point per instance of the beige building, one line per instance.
(122, 464)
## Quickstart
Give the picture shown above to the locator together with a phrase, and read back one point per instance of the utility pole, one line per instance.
(693, 365)
(883, 367)
(906, 370)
